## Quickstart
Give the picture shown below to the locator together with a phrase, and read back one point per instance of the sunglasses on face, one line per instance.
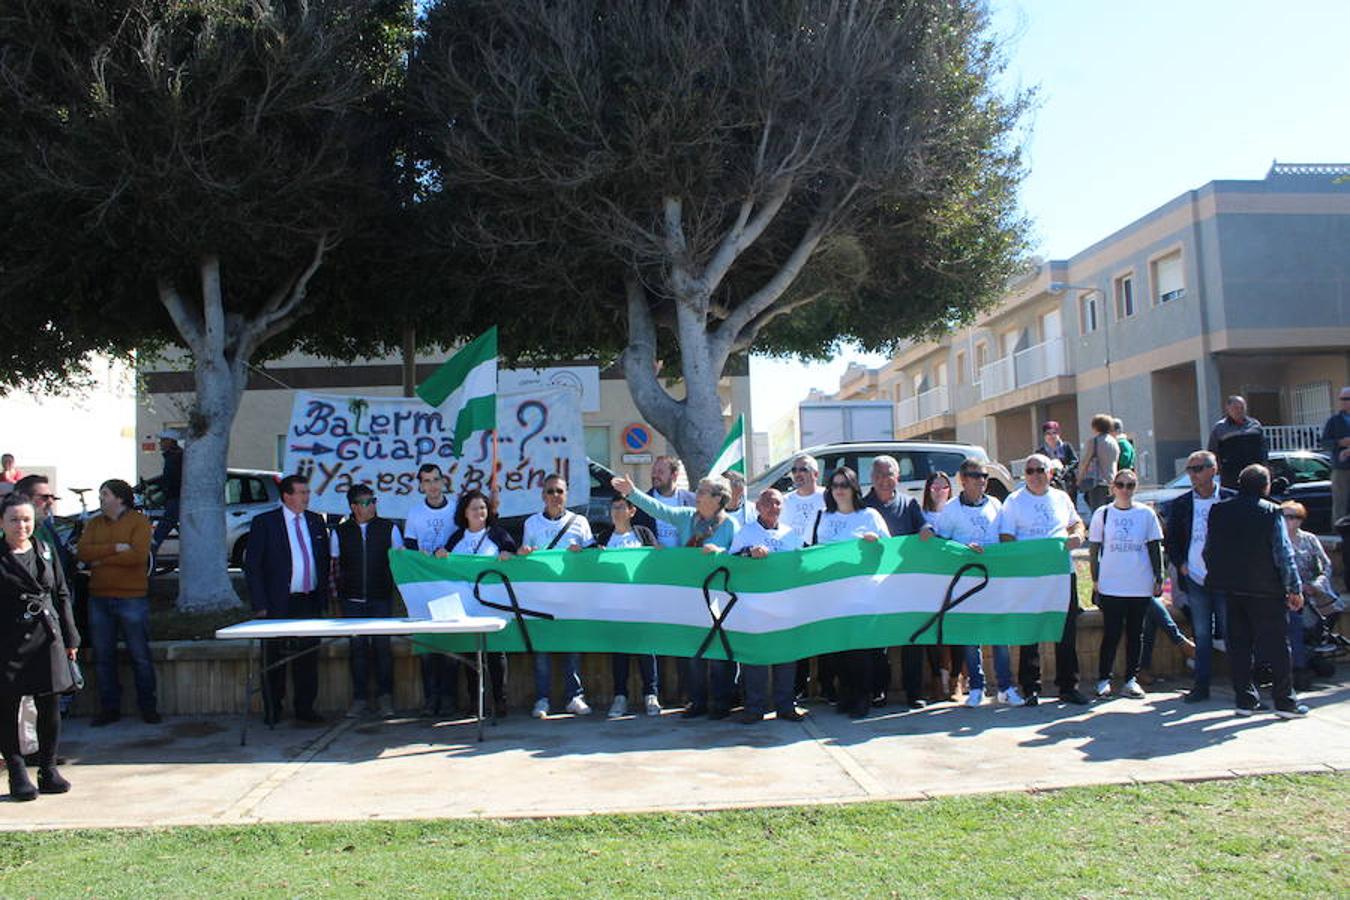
(367, 501)
(977, 476)
(1126, 485)
(44, 496)
(555, 491)
(1035, 470)
(1199, 468)
(797, 469)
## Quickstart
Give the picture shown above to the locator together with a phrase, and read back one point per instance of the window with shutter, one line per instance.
(1168, 279)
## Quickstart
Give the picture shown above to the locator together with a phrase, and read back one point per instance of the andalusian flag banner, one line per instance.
(466, 386)
(682, 602)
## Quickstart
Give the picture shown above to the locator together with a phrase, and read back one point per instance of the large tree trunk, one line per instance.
(204, 581)
(222, 346)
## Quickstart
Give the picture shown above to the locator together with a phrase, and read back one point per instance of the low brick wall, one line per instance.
(207, 677)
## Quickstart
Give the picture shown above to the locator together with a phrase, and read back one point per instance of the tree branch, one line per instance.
(285, 305)
(729, 332)
(745, 232)
(639, 361)
(750, 332)
(187, 322)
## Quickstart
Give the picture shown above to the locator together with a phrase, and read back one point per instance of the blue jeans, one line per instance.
(1208, 608)
(756, 682)
(543, 676)
(361, 648)
(618, 666)
(1002, 667)
(723, 677)
(167, 523)
(1298, 649)
(1155, 617)
(130, 615)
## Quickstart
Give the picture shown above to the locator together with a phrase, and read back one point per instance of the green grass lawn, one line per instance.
(1258, 837)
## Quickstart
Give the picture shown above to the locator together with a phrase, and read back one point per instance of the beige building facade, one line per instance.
(1237, 287)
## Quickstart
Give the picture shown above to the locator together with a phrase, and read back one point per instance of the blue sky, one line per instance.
(1139, 102)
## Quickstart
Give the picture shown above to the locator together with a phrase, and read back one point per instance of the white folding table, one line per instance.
(332, 629)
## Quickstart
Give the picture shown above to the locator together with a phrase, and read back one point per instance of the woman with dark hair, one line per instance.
(115, 545)
(944, 661)
(38, 639)
(478, 534)
(845, 518)
(1097, 467)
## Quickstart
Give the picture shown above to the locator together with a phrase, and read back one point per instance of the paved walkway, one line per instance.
(193, 771)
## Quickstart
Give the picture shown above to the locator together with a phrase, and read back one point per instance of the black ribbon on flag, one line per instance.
(515, 608)
(949, 603)
(717, 630)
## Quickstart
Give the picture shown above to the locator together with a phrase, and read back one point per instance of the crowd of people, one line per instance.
(1246, 575)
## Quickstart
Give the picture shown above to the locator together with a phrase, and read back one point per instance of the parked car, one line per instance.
(248, 492)
(1302, 475)
(917, 460)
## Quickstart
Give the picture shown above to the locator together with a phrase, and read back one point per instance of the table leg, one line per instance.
(248, 694)
(482, 679)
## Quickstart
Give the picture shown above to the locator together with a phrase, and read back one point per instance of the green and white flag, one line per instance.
(732, 455)
(466, 386)
(788, 606)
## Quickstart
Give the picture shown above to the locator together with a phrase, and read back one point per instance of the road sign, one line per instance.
(636, 438)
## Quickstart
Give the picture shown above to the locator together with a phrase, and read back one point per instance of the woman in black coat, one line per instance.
(38, 640)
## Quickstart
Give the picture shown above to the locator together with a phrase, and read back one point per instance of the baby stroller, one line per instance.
(1324, 641)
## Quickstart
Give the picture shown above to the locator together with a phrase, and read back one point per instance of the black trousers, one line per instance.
(496, 665)
(1121, 614)
(48, 727)
(304, 673)
(827, 670)
(1257, 625)
(1066, 652)
(912, 658)
(855, 669)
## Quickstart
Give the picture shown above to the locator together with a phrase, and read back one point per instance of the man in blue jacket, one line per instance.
(1249, 558)
(287, 564)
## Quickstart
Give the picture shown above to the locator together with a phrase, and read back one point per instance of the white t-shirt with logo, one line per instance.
(1027, 516)
(475, 543)
(799, 513)
(429, 527)
(778, 540)
(1195, 555)
(620, 540)
(1124, 568)
(970, 524)
(666, 534)
(837, 526)
(540, 530)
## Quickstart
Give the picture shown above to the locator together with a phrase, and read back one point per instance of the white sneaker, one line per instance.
(975, 697)
(1011, 697)
(540, 710)
(653, 705)
(1104, 688)
(358, 709)
(1132, 690)
(577, 706)
(618, 708)
(1221, 645)
(386, 706)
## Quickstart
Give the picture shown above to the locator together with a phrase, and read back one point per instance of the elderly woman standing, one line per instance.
(37, 641)
(706, 525)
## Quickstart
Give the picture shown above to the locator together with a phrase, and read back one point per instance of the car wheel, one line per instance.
(237, 554)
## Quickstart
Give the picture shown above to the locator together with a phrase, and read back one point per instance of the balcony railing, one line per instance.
(934, 402)
(1036, 363)
(1293, 437)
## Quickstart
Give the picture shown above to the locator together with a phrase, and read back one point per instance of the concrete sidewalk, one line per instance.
(193, 771)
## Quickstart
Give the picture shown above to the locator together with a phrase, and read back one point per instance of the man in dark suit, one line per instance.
(287, 564)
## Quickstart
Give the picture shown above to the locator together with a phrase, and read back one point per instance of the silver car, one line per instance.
(917, 460)
(248, 492)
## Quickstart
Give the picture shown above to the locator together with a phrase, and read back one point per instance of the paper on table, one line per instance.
(444, 609)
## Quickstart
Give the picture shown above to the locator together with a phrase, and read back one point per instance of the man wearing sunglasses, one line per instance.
(558, 528)
(1184, 540)
(1038, 510)
(1336, 442)
(360, 548)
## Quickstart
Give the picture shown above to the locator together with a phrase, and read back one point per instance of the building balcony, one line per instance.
(1293, 437)
(911, 410)
(1037, 363)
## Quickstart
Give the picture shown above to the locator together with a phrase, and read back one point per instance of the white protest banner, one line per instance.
(338, 441)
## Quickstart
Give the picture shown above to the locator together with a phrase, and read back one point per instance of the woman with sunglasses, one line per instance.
(1126, 546)
(1314, 571)
(845, 518)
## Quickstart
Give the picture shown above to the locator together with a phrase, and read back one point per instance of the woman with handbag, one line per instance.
(38, 642)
